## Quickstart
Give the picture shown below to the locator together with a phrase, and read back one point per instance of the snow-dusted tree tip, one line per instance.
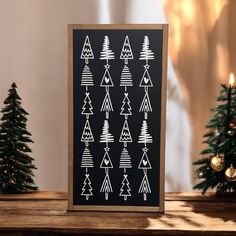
(146, 53)
(87, 52)
(125, 159)
(145, 137)
(126, 77)
(87, 77)
(126, 52)
(106, 136)
(87, 160)
(106, 53)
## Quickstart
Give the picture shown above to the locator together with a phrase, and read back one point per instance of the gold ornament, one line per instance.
(217, 163)
(230, 174)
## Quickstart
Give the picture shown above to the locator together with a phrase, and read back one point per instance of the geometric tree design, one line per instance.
(144, 162)
(144, 187)
(106, 80)
(125, 159)
(106, 186)
(106, 136)
(126, 52)
(145, 106)
(146, 80)
(87, 159)
(126, 77)
(106, 160)
(87, 108)
(106, 53)
(125, 188)
(87, 52)
(107, 105)
(126, 108)
(146, 53)
(87, 135)
(87, 77)
(145, 137)
(87, 189)
(125, 135)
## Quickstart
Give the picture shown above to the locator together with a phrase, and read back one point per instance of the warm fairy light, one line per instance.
(231, 79)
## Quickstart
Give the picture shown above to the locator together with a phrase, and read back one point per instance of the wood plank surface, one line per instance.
(45, 213)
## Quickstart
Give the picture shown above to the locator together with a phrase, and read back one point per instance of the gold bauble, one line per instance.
(217, 163)
(230, 174)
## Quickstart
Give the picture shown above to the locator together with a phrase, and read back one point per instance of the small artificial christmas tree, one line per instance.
(16, 175)
(217, 166)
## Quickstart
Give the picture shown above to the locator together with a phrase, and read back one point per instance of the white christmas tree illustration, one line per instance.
(106, 80)
(145, 137)
(125, 188)
(125, 135)
(125, 159)
(106, 160)
(126, 77)
(87, 52)
(126, 108)
(126, 52)
(107, 105)
(144, 162)
(146, 53)
(106, 136)
(106, 53)
(146, 80)
(106, 186)
(87, 189)
(87, 160)
(87, 108)
(87, 135)
(145, 105)
(144, 187)
(87, 77)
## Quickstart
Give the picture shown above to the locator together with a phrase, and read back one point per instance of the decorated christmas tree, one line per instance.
(16, 167)
(217, 164)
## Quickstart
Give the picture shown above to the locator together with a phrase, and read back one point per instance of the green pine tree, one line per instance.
(16, 175)
(221, 141)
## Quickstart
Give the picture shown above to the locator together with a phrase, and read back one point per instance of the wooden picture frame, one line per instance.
(76, 37)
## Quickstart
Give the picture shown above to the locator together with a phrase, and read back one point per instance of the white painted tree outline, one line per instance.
(125, 188)
(87, 159)
(106, 80)
(87, 77)
(87, 108)
(106, 186)
(125, 136)
(145, 187)
(144, 162)
(125, 160)
(126, 52)
(126, 78)
(87, 188)
(87, 52)
(107, 105)
(126, 108)
(87, 135)
(106, 160)
(145, 106)
(146, 79)
(144, 136)
(106, 136)
(106, 53)
(146, 53)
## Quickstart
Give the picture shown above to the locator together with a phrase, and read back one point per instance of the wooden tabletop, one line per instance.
(44, 213)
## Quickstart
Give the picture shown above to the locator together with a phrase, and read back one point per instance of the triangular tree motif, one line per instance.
(125, 159)
(87, 189)
(106, 186)
(107, 105)
(87, 135)
(87, 77)
(125, 136)
(106, 160)
(145, 137)
(126, 77)
(146, 54)
(144, 162)
(106, 80)
(87, 108)
(145, 105)
(126, 52)
(87, 159)
(126, 108)
(146, 80)
(125, 188)
(106, 53)
(144, 187)
(106, 136)
(87, 52)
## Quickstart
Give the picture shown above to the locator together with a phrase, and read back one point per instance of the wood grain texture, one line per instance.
(44, 213)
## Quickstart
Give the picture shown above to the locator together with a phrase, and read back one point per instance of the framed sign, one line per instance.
(117, 103)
